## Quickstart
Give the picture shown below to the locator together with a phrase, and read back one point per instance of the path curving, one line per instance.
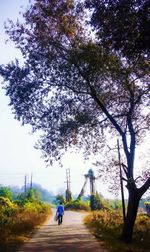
(71, 236)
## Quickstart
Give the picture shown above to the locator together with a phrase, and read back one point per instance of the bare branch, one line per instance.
(125, 168)
(124, 179)
(145, 187)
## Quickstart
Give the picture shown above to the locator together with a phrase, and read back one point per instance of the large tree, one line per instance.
(74, 87)
(122, 25)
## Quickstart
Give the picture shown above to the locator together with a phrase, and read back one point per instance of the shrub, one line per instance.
(106, 225)
(6, 192)
(16, 221)
(5, 202)
(77, 205)
(7, 211)
(30, 215)
(7, 208)
(60, 198)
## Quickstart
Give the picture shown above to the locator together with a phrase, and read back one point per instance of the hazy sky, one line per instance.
(17, 154)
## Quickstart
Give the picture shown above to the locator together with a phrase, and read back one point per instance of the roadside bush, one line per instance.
(17, 221)
(105, 219)
(106, 225)
(30, 215)
(32, 195)
(77, 205)
(6, 192)
(60, 198)
(7, 210)
(5, 202)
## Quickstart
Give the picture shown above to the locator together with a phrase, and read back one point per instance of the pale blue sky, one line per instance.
(17, 154)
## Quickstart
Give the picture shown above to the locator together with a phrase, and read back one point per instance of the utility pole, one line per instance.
(31, 181)
(92, 181)
(121, 183)
(68, 191)
(25, 185)
(68, 178)
(92, 188)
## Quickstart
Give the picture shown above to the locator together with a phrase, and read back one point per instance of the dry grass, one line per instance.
(16, 227)
(107, 226)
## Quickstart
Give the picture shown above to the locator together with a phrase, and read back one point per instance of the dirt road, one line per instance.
(71, 236)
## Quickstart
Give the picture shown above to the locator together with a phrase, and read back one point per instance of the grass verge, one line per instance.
(107, 226)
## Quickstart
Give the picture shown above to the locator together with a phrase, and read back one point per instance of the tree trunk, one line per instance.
(133, 203)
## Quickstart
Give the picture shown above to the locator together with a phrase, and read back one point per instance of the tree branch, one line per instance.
(101, 105)
(75, 91)
(145, 187)
(125, 168)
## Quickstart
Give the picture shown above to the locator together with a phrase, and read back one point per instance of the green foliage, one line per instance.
(5, 202)
(16, 221)
(147, 203)
(107, 224)
(29, 215)
(20, 217)
(77, 205)
(115, 204)
(6, 192)
(99, 202)
(46, 196)
(41, 193)
(34, 195)
(34, 207)
(60, 198)
(7, 210)
(20, 199)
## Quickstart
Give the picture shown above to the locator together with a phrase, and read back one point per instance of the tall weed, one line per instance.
(106, 225)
